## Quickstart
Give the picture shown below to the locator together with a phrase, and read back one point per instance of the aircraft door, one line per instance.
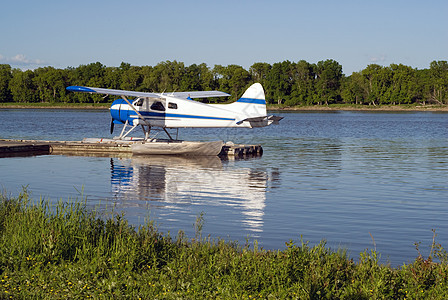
(158, 112)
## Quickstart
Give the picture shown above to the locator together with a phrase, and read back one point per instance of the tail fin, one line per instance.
(251, 108)
(254, 94)
(253, 103)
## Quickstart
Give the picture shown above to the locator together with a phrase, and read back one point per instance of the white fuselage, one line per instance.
(172, 112)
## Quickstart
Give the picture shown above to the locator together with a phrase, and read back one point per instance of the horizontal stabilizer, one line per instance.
(274, 120)
(261, 121)
(255, 119)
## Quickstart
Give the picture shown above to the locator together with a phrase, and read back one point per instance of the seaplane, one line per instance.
(179, 110)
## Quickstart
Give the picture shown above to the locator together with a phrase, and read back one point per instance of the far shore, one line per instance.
(271, 107)
(348, 107)
(55, 105)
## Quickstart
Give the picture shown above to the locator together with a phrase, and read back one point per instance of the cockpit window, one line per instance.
(139, 102)
(172, 105)
(158, 106)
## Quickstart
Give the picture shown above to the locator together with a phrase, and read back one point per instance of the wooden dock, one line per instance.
(23, 148)
(101, 148)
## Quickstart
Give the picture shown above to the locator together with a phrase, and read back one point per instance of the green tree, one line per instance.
(91, 75)
(279, 82)
(300, 83)
(191, 81)
(207, 78)
(439, 82)
(22, 86)
(328, 81)
(148, 85)
(403, 85)
(166, 76)
(303, 82)
(197, 78)
(372, 82)
(424, 85)
(112, 78)
(50, 83)
(385, 85)
(353, 89)
(259, 72)
(232, 79)
(131, 78)
(5, 78)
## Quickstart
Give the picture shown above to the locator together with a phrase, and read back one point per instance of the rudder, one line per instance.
(254, 94)
(253, 103)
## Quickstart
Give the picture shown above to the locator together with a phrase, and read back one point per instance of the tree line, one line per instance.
(287, 83)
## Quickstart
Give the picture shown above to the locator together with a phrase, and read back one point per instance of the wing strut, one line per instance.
(136, 111)
(124, 128)
(146, 132)
(169, 135)
(129, 131)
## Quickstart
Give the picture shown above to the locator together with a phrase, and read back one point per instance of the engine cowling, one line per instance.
(119, 111)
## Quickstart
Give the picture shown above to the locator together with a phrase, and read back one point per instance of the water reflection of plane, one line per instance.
(192, 181)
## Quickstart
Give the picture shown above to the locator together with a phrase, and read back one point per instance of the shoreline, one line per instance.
(380, 108)
(334, 107)
(55, 106)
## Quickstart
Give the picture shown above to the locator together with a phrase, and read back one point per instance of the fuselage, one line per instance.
(172, 112)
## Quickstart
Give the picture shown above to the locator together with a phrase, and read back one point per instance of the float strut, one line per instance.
(168, 134)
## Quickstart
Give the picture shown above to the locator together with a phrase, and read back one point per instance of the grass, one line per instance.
(65, 251)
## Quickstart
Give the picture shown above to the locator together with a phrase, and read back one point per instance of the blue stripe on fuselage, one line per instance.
(198, 117)
(170, 115)
(150, 114)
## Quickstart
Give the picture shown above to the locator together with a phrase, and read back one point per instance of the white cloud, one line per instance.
(20, 60)
(378, 58)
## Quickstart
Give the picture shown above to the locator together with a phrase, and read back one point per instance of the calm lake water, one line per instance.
(334, 176)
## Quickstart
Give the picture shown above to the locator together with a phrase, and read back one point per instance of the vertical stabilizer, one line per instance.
(254, 94)
(252, 104)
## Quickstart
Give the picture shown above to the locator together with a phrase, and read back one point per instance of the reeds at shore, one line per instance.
(67, 251)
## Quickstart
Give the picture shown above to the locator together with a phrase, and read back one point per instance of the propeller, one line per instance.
(111, 126)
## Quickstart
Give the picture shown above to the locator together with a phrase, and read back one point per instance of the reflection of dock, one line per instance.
(241, 150)
(101, 147)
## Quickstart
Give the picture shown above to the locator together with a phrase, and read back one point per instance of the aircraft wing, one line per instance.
(198, 94)
(185, 95)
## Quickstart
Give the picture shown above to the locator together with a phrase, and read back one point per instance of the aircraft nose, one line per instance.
(115, 111)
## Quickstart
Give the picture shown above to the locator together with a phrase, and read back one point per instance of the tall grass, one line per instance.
(66, 251)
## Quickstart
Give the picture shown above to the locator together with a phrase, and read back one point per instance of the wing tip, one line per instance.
(75, 88)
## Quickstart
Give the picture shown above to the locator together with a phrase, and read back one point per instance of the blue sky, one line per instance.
(354, 33)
